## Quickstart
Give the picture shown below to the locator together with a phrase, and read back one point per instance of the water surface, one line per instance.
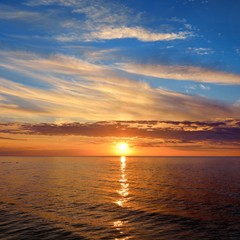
(120, 198)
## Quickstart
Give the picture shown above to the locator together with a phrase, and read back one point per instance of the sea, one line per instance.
(120, 198)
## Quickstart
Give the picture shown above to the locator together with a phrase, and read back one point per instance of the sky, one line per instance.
(77, 77)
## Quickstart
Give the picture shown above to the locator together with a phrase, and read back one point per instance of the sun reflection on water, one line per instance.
(123, 193)
(124, 190)
(123, 159)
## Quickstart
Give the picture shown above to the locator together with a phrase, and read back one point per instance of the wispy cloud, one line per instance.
(177, 72)
(73, 89)
(108, 33)
(95, 12)
(237, 51)
(200, 51)
(193, 87)
(138, 33)
(101, 20)
(46, 24)
(9, 13)
(204, 87)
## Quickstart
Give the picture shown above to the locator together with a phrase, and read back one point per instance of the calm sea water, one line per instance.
(120, 198)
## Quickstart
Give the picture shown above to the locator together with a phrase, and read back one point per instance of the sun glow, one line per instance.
(122, 148)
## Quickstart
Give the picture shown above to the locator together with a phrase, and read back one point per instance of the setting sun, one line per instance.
(122, 148)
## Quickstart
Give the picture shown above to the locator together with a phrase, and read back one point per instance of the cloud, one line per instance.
(204, 87)
(95, 12)
(178, 72)
(65, 87)
(110, 33)
(9, 13)
(194, 87)
(101, 20)
(200, 51)
(139, 33)
(12, 139)
(46, 24)
(220, 132)
(237, 51)
(99, 55)
(165, 137)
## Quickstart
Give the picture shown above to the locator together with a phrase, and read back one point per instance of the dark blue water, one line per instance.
(120, 198)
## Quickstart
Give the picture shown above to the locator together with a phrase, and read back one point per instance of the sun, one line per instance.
(122, 148)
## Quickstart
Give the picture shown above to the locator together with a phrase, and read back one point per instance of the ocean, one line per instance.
(120, 198)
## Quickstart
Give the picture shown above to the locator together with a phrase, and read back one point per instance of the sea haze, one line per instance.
(120, 198)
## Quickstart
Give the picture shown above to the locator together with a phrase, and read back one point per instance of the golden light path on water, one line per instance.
(124, 190)
(123, 193)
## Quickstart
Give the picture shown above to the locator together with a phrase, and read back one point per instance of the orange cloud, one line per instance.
(143, 137)
(177, 72)
(72, 89)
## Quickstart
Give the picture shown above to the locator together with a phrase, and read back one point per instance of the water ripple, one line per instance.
(126, 198)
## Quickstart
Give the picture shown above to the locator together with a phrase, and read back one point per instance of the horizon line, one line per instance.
(118, 156)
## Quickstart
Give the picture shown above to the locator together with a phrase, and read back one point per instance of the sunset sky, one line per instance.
(78, 77)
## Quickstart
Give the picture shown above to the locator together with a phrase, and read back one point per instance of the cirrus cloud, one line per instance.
(178, 72)
(139, 33)
(109, 33)
(66, 88)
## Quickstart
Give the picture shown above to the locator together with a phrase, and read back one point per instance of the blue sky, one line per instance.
(177, 59)
(78, 77)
